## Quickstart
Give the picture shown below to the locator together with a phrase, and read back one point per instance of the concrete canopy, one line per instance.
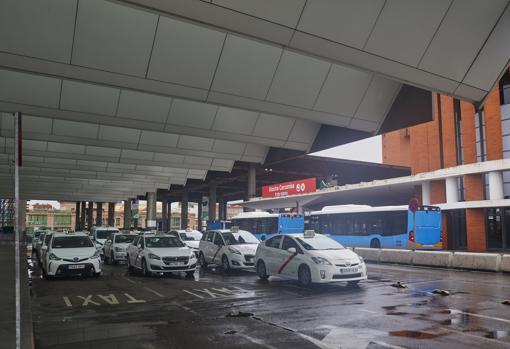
(124, 97)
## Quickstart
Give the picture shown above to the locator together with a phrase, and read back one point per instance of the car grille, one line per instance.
(346, 276)
(249, 257)
(345, 265)
(181, 260)
(75, 261)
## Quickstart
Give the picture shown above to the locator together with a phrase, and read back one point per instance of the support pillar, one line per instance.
(111, 214)
(452, 192)
(90, 213)
(83, 213)
(222, 208)
(151, 210)
(77, 216)
(425, 193)
(252, 182)
(199, 216)
(496, 185)
(164, 215)
(212, 201)
(184, 209)
(127, 214)
(99, 214)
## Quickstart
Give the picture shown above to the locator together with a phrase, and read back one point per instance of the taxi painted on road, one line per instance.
(71, 254)
(232, 249)
(116, 245)
(308, 258)
(160, 253)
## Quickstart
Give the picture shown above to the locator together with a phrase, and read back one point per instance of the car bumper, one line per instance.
(328, 274)
(120, 256)
(240, 262)
(160, 266)
(63, 268)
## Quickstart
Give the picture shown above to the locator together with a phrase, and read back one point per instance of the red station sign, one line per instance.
(289, 188)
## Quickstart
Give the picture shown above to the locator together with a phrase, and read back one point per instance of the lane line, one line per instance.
(125, 278)
(154, 291)
(179, 305)
(369, 311)
(255, 341)
(456, 311)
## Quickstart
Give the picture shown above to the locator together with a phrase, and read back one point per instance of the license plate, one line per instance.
(348, 270)
(76, 266)
(175, 263)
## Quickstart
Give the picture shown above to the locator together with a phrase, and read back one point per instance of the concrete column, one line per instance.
(496, 185)
(127, 214)
(99, 214)
(77, 216)
(151, 210)
(425, 193)
(199, 216)
(111, 214)
(222, 209)
(252, 181)
(164, 215)
(90, 215)
(452, 192)
(83, 213)
(212, 201)
(184, 209)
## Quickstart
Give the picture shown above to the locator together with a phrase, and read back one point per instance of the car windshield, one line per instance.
(71, 242)
(245, 237)
(163, 241)
(103, 234)
(319, 243)
(121, 239)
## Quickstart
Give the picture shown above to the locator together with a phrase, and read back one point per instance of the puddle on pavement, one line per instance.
(415, 334)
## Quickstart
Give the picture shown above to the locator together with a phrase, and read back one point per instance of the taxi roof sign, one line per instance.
(234, 229)
(309, 234)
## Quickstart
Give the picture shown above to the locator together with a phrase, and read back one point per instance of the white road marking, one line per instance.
(87, 300)
(127, 279)
(387, 345)
(194, 294)
(475, 336)
(369, 311)
(255, 341)
(67, 301)
(186, 308)
(110, 299)
(154, 291)
(456, 311)
(132, 299)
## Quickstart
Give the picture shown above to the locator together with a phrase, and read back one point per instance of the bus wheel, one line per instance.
(375, 243)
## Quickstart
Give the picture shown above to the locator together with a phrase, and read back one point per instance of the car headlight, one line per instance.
(53, 257)
(153, 256)
(119, 249)
(192, 256)
(320, 260)
(95, 255)
(234, 250)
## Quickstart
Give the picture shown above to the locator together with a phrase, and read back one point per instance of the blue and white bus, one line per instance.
(264, 225)
(380, 227)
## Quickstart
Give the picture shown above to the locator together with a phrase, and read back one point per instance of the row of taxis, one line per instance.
(308, 258)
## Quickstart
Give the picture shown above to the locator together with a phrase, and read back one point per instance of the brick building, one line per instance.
(455, 138)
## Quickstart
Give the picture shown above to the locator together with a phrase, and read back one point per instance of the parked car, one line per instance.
(160, 253)
(71, 254)
(116, 245)
(309, 258)
(190, 237)
(232, 249)
(100, 234)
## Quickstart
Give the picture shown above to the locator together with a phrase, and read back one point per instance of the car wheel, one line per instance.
(112, 258)
(201, 258)
(304, 276)
(145, 269)
(375, 243)
(130, 267)
(353, 283)
(225, 264)
(190, 274)
(261, 270)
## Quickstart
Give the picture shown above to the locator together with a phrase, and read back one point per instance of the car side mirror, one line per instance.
(291, 250)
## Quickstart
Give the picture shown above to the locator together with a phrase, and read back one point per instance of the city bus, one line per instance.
(381, 227)
(264, 225)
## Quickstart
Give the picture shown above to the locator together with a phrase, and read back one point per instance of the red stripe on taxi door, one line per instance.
(287, 262)
(218, 250)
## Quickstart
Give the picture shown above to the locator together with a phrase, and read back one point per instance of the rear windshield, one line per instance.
(71, 242)
(190, 236)
(163, 241)
(104, 234)
(121, 239)
(319, 243)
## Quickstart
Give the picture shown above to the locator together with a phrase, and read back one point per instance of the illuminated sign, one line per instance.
(289, 188)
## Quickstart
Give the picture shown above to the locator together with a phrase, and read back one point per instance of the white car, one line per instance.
(160, 253)
(190, 237)
(309, 258)
(45, 241)
(230, 249)
(100, 234)
(71, 254)
(116, 245)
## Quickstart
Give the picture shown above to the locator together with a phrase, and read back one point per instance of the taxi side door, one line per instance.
(272, 254)
(292, 257)
(208, 246)
(216, 248)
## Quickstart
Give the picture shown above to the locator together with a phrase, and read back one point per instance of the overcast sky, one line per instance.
(368, 149)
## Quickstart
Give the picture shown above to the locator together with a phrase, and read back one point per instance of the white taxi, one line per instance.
(190, 237)
(309, 258)
(115, 246)
(232, 249)
(71, 254)
(100, 234)
(160, 253)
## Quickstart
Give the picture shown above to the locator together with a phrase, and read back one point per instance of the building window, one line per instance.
(117, 221)
(175, 222)
(62, 221)
(37, 219)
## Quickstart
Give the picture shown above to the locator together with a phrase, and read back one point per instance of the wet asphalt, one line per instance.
(236, 310)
